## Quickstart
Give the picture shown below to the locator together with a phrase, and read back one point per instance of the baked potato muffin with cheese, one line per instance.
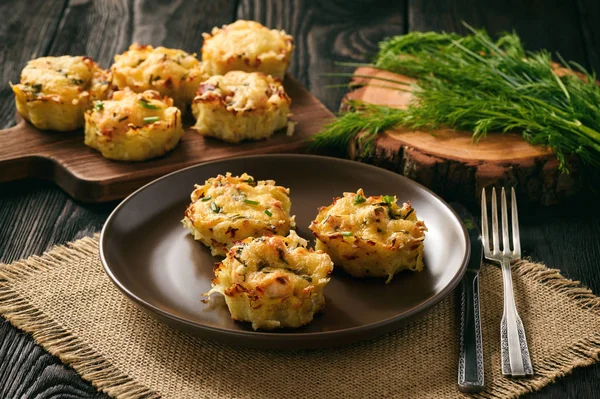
(370, 236)
(133, 126)
(240, 106)
(171, 72)
(273, 281)
(247, 46)
(230, 208)
(55, 92)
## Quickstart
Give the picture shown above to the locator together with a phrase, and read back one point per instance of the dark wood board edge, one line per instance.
(536, 176)
(44, 162)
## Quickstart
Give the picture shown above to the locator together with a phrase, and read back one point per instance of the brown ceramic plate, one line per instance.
(156, 263)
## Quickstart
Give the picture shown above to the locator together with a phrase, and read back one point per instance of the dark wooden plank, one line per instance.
(28, 371)
(35, 215)
(25, 35)
(101, 29)
(564, 237)
(549, 24)
(589, 11)
(326, 32)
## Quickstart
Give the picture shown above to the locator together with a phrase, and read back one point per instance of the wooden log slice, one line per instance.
(450, 163)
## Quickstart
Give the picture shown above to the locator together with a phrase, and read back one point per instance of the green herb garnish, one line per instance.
(359, 199)
(215, 208)
(146, 104)
(408, 213)
(268, 212)
(206, 198)
(481, 85)
(250, 202)
(77, 81)
(36, 87)
(346, 233)
(151, 119)
(250, 181)
(98, 106)
(388, 199)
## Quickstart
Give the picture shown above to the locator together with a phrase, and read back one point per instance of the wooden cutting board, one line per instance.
(87, 176)
(450, 163)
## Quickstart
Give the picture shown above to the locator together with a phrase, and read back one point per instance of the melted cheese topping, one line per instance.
(133, 126)
(55, 91)
(230, 208)
(248, 46)
(370, 236)
(273, 281)
(171, 72)
(240, 105)
(239, 91)
(128, 110)
(64, 78)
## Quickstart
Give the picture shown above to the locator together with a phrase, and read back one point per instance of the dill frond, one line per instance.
(476, 84)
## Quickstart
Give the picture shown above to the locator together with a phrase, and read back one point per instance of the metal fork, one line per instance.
(514, 350)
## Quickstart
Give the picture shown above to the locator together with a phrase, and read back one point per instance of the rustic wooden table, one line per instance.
(35, 215)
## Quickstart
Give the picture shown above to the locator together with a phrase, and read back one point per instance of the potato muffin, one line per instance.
(171, 72)
(273, 281)
(230, 208)
(239, 106)
(247, 46)
(132, 126)
(370, 236)
(55, 92)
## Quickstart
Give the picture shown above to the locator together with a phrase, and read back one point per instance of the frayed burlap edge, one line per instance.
(106, 377)
(60, 342)
(584, 352)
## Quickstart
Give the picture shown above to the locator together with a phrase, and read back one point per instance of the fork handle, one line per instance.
(513, 343)
(470, 360)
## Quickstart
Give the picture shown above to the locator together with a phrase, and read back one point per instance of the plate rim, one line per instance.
(287, 336)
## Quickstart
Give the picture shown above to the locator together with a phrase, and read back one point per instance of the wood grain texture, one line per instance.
(326, 32)
(62, 157)
(589, 11)
(449, 162)
(541, 24)
(25, 35)
(35, 215)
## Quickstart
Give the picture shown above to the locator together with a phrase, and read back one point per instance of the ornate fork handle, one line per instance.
(513, 343)
(470, 364)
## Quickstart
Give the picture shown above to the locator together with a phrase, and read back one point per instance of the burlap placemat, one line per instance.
(66, 301)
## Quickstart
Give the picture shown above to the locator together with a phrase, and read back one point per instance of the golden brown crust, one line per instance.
(240, 105)
(247, 46)
(273, 281)
(370, 236)
(132, 126)
(171, 72)
(230, 208)
(54, 92)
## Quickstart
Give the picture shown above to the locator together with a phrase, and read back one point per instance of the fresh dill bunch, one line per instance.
(477, 84)
(359, 117)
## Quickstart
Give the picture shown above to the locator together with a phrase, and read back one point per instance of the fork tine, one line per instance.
(505, 239)
(515, 224)
(485, 238)
(495, 222)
